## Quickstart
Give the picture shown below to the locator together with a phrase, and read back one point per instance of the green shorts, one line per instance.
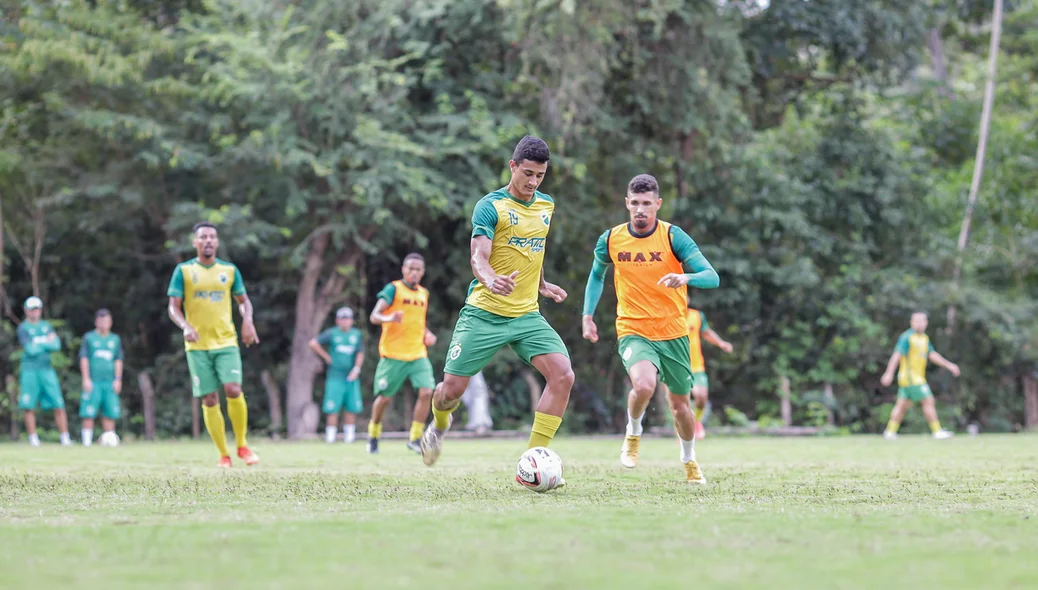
(914, 393)
(102, 399)
(670, 357)
(390, 375)
(340, 395)
(40, 387)
(699, 379)
(211, 369)
(479, 334)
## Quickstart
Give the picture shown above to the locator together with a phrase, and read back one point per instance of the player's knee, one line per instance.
(644, 385)
(424, 394)
(211, 399)
(679, 403)
(563, 380)
(232, 389)
(452, 387)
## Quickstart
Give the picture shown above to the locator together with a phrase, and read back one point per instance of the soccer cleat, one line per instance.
(693, 473)
(889, 435)
(415, 445)
(372, 446)
(248, 456)
(943, 434)
(225, 463)
(700, 431)
(432, 441)
(629, 452)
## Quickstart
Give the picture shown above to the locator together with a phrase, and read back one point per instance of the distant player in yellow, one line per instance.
(910, 355)
(509, 230)
(204, 287)
(699, 330)
(654, 262)
(401, 310)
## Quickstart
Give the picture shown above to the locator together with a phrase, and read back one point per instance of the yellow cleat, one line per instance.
(693, 473)
(629, 452)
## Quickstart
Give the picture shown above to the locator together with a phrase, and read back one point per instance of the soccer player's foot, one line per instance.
(225, 463)
(34, 440)
(248, 456)
(693, 473)
(943, 434)
(629, 452)
(432, 441)
(700, 431)
(414, 445)
(373, 446)
(889, 435)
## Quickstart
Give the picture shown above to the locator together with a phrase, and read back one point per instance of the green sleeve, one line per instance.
(596, 280)
(387, 293)
(703, 324)
(700, 274)
(238, 288)
(52, 345)
(30, 347)
(484, 219)
(932, 349)
(84, 350)
(902, 345)
(325, 338)
(176, 283)
(119, 349)
(360, 340)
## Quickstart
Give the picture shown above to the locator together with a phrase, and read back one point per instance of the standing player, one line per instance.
(344, 356)
(401, 309)
(654, 262)
(204, 286)
(509, 230)
(39, 382)
(912, 351)
(101, 363)
(697, 325)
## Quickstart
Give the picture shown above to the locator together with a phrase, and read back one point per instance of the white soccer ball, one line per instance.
(109, 439)
(539, 469)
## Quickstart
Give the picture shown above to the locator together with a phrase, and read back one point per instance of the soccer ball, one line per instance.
(539, 469)
(109, 439)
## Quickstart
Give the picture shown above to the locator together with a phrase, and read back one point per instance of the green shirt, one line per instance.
(102, 352)
(343, 347)
(37, 345)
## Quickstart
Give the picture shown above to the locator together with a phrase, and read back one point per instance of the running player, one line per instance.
(38, 383)
(912, 351)
(204, 286)
(698, 330)
(344, 356)
(401, 310)
(101, 363)
(654, 263)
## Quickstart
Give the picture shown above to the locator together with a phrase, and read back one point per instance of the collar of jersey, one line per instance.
(634, 234)
(199, 262)
(409, 287)
(508, 195)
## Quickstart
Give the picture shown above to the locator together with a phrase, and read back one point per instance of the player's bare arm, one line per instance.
(379, 317)
(177, 315)
(936, 358)
(248, 328)
(355, 371)
(430, 338)
(551, 290)
(117, 385)
(84, 369)
(320, 351)
(481, 247)
(715, 339)
(888, 375)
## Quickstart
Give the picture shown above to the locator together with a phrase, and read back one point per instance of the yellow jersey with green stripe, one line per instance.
(914, 348)
(207, 292)
(519, 231)
(404, 340)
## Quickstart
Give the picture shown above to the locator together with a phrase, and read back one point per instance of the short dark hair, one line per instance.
(202, 224)
(531, 148)
(102, 312)
(414, 256)
(643, 183)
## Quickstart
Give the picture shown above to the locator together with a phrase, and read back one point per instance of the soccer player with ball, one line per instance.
(101, 363)
(654, 262)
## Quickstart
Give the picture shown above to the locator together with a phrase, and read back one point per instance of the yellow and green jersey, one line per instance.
(519, 230)
(101, 352)
(914, 348)
(207, 292)
(404, 340)
(697, 324)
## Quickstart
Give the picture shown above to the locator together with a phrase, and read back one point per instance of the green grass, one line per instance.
(778, 513)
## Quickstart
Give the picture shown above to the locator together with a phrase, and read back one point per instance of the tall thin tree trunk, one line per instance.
(1030, 401)
(938, 61)
(147, 404)
(273, 401)
(785, 403)
(982, 145)
(11, 385)
(303, 366)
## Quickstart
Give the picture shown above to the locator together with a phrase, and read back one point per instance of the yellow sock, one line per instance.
(239, 413)
(935, 426)
(441, 418)
(416, 430)
(544, 427)
(214, 424)
(893, 425)
(374, 430)
(698, 412)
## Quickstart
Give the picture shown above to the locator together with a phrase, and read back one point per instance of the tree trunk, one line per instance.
(978, 164)
(196, 410)
(11, 386)
(1030, 401)
(785, 404)
(147, 404)
(534, 386)
(830, 401)
(938, 62)
(5, 301)
(273, 401)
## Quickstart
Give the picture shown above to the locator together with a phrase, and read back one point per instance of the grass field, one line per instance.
(778, 513)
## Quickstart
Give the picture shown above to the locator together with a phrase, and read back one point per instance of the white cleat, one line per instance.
(629, 452)
(943, 434)
(890, 435)
(432, 441)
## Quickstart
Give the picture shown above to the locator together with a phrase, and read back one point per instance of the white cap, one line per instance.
(33, 302)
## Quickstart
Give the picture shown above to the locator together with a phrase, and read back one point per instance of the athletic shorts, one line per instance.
(479, 334)
(699, 379)
(670, 357)
(340, 394)
(914, 393)
(40, 387)
(211, 369)
(390, 375)
(102, 400)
